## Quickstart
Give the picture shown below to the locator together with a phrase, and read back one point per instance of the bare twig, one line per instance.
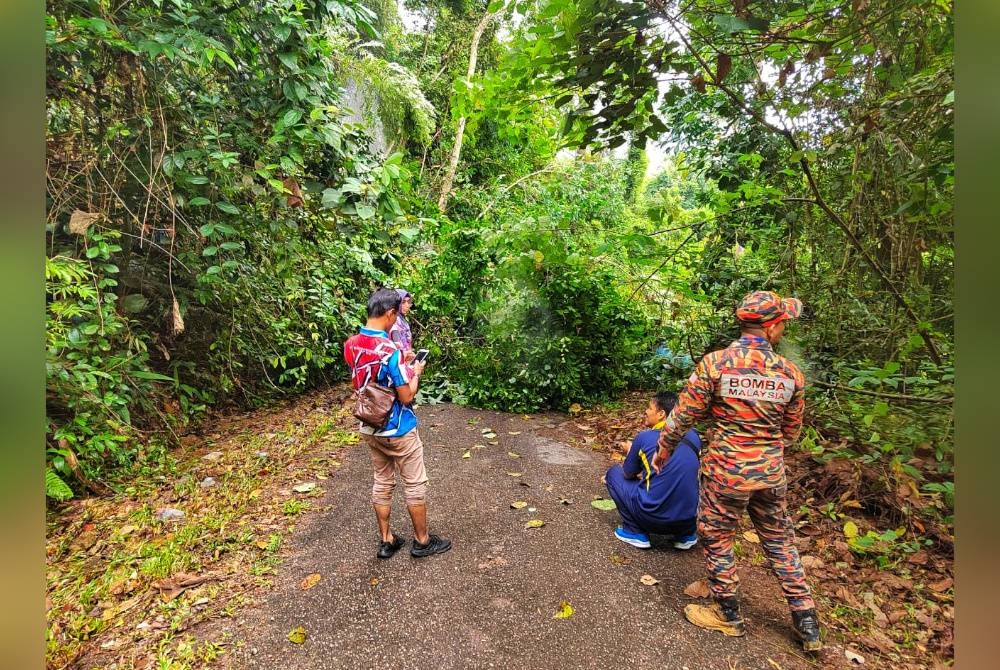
(889, 396)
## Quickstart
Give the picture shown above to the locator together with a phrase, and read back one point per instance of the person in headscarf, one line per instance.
(400, 332)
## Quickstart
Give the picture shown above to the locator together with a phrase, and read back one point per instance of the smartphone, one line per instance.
(421, 355)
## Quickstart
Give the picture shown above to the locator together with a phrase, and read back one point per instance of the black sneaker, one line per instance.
(389, 549)
(807, 629)
(435, 545)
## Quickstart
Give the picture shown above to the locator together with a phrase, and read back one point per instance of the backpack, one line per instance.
(373, 403)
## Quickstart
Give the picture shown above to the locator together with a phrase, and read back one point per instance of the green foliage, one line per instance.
(96, 367)
(539, 309)
(253, 171)
(55, 487)
(238, 217)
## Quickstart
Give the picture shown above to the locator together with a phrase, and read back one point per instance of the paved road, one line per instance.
(489, 602)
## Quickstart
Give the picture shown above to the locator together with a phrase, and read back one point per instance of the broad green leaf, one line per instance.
(154, 376)
(604, 504)
(134, 303)
(290, 60)
(735, 24)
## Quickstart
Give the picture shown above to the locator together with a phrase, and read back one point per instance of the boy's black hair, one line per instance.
(665, 400)
(382, 300)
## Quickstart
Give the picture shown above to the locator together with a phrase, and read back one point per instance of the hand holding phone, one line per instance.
(421, 356)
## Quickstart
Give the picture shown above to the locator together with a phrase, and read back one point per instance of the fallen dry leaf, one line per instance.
(80, 221)
(513, 454)
(305, 487)
(698, 589)
(514, 474)
(808, 529)
(297, 635)
(310, 581)
(751, 536)
(519, 504)
(173, 586)
(565, 611)
(812, 563)
(513, 432)
(467, 454)
(854, 657)
(604, 504)
(942, 585)
(649, 580)
(534, 523)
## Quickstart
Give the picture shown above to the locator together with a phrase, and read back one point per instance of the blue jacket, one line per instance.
(671, 495)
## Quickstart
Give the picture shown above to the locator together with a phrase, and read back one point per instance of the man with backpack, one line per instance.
(395, 445)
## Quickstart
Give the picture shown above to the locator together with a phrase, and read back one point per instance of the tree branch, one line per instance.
(814, 188)
(879, 394)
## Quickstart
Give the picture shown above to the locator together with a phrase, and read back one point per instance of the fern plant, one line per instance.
(55, 487)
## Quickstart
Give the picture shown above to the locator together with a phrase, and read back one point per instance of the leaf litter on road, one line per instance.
(519, 504)
(649, 580)
(565, 610)
(603, 504)
(310, 581)
(534, 523)
(297, 635)
(698, 589)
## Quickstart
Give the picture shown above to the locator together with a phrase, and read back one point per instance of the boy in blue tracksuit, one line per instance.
(664, 503)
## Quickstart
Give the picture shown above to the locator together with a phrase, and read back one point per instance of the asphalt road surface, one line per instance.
(490, 601)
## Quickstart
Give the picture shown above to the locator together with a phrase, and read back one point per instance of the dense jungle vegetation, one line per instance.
(577, 192)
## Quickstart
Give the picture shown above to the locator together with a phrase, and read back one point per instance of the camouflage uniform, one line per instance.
(756, 399)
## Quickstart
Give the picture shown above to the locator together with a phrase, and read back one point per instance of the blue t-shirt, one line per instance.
(671, 495)
(369, 353)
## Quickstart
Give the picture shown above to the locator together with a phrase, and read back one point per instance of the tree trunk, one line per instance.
(456, 150)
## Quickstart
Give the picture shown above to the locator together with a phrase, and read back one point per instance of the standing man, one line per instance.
(756, 399)
(664, 503)
(396, 446)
